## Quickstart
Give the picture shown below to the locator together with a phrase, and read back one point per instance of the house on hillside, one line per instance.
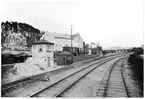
(15, 41)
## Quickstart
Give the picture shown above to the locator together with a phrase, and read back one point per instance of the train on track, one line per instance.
(83, 51)
(74, 50)
(96, 50)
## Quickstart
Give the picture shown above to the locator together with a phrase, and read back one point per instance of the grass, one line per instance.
(83, 57)
(136, 63)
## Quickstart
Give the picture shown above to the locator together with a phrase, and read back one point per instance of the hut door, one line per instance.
(48, 62)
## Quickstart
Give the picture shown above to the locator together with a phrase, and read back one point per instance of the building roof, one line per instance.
(64, 53)
(73, 36)
(54, 34)
(43, 42)
(59, 35)
(93, 43)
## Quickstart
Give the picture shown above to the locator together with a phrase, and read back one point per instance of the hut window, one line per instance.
(39, 48)
(48, 48)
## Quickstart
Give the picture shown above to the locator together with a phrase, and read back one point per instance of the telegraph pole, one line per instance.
(71, 39)
(143, 18)
(71, 44)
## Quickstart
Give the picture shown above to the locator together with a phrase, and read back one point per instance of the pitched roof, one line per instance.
(64, 53)
(43, 42)
(54, 34)
(73, 36)
(59, 35)
(93, 43)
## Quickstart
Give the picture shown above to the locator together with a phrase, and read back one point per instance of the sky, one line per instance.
(112, 23)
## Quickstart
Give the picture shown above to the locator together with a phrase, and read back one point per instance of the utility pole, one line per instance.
(71, 39)
(71, 44)
(143, 18)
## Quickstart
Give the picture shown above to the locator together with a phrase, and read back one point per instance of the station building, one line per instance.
(61, 40)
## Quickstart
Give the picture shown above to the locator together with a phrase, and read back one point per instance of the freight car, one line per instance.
(96, 50)
(76, 50)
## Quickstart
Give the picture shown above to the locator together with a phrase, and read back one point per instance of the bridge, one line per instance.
(118, 49)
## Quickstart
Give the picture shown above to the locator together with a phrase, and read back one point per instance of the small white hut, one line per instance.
(42, 54)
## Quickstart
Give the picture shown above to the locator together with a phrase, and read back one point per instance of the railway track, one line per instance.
(9, 87)
(116, 86)
(6, 88)
(60, 87)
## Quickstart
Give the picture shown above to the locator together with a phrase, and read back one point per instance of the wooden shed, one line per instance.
(64, 58)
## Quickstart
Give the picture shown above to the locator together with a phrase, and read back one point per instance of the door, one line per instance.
(48, 62)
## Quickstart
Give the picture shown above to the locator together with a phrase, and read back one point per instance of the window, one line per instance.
(40, 48)
(48, 48)
(7, 40)
(17, 40)
(10, 37)
(12, 40)
(20, 36)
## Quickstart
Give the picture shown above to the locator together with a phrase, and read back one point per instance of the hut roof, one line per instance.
(64, 53)
(43, 42)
